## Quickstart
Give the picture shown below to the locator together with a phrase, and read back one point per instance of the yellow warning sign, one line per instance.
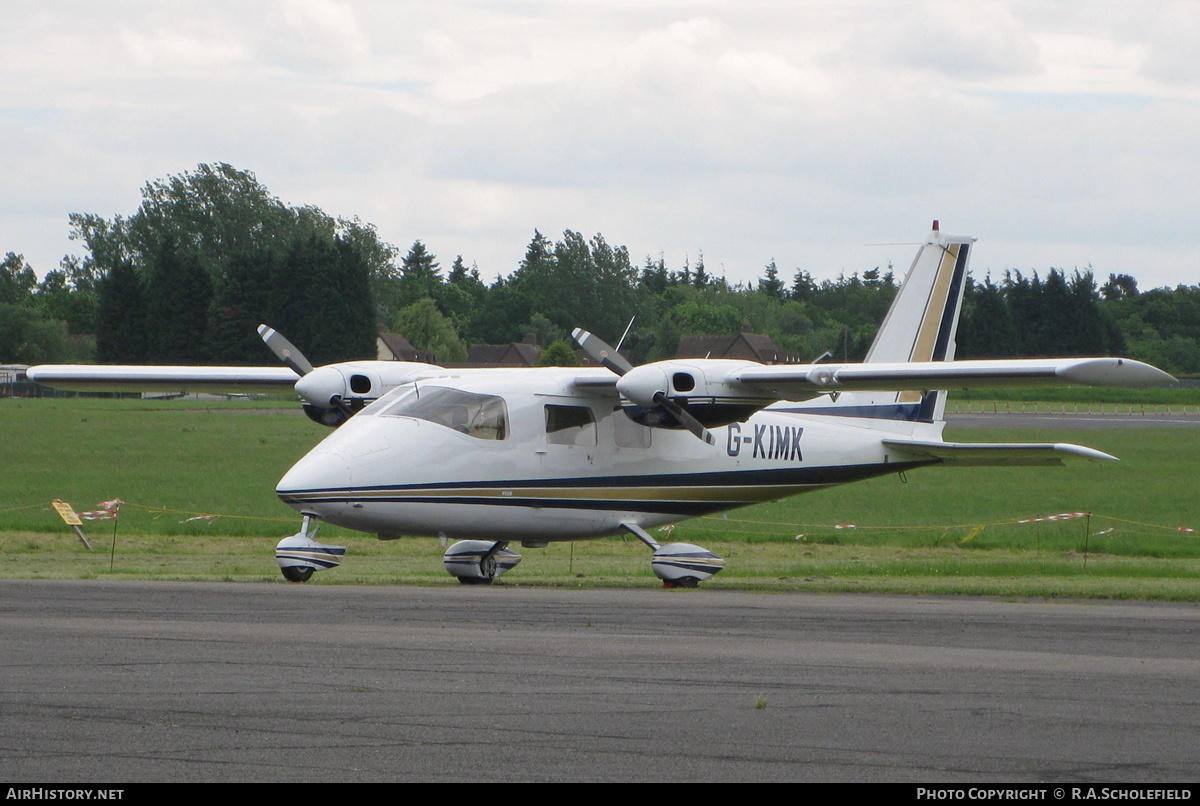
(66, 513)
(71, 519)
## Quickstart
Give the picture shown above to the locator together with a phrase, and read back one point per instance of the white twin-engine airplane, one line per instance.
(490, 457)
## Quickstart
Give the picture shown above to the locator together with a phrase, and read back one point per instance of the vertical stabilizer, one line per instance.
(923, 319)
(920, 326)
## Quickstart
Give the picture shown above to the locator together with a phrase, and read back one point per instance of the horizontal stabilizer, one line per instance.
(165, 380)
(998, 453)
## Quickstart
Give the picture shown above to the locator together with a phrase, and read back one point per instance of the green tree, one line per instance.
(545, 331)
(62, 295)
(558, 354)
(458, 271)
(216, 218)
(770, 284)
(655, 276)
(211, 213)
(420, 276)
(319, 296)
(804, 287)
(17, 281)
(427, 329)
(985, 328)
(26, 337)
(700, 278)
(239, 305)
(121, 317)
(1119, 286)
(178, 291)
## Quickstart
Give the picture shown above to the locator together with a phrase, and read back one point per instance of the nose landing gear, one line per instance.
(299, 555)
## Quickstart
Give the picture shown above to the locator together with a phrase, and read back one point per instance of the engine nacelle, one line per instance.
(685, 565)
(465, 560)
(702, 388)
(335, 391)
(328, 417)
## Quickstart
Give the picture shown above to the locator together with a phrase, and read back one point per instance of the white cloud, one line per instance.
(751, 130)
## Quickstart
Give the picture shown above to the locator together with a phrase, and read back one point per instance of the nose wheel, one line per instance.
(299, 555)
(297, 573)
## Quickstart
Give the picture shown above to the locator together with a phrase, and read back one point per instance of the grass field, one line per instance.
(1176, 396)
(941, 530)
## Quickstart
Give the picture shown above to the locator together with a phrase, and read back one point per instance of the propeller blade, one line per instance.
(285, 350)
(341, 405)
(683, 418)
(599, 351)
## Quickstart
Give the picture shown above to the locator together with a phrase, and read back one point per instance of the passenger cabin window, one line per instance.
(570, 425)
(629, 434)
(479, 416)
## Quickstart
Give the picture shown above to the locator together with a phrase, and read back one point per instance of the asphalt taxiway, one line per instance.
(1086, 422)
(125, 682)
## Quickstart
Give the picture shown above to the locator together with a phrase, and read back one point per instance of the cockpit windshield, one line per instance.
(479, 416)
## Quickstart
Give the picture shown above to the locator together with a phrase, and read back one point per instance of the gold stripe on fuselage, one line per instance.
(732, 494)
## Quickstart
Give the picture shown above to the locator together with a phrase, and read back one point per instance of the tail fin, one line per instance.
(920, 326)
(923, 319)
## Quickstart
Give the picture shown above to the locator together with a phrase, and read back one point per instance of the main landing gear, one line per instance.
(678, 565)
(299, 555)
(479, 562)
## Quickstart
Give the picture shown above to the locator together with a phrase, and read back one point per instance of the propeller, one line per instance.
(601, 352)
(285, 350)
(646, 386)
(320, 387)
(683, 418)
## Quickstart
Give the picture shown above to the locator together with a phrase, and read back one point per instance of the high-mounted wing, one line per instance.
(911, 362)
(164, 379)
(800, 382)
(719, 391)
(331, 392)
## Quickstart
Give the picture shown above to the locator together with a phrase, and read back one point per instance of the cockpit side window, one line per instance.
(570, 425)
(479, 416)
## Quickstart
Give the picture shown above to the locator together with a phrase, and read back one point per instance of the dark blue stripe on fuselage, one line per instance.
(909, 412)
(803, 479)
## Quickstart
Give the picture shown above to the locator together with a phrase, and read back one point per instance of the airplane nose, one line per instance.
(321, 385)
(330, 479)
(317, 470)
(338, 462)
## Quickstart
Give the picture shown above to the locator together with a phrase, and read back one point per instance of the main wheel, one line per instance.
(297, 573)
(487, 568)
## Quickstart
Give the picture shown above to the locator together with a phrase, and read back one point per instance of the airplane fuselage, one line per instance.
(551, 464)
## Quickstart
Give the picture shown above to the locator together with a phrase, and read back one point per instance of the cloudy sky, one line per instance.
(823, 134)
